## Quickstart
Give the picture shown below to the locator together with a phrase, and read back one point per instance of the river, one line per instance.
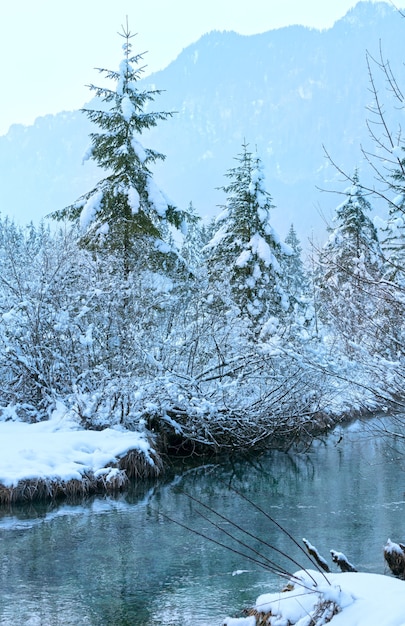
(121, 562)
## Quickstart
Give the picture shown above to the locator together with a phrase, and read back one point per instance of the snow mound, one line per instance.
(345, 599)
(61, 450)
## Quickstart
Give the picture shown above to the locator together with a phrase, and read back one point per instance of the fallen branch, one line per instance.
(312, 551)
(341, 561)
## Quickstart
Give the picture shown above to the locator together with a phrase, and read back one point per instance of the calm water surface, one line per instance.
(119, 562)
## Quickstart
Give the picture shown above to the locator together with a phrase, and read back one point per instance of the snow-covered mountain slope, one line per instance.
(289, 92)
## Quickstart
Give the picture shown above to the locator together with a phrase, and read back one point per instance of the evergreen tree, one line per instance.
(126, 213)
(352, 252)
(193, 241)
(351, 267)
(301, 290)
(245, 251)
(294, 275)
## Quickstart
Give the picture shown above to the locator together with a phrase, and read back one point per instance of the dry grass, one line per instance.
(46, 489)
(134, 465)
(137, 465)
(262, 619)
(322, 614)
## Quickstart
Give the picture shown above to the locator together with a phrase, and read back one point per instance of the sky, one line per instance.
(49, 48)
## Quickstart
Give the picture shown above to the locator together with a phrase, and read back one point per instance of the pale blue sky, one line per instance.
(48, 48)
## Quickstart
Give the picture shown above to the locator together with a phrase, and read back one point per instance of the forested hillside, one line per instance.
(286, 92)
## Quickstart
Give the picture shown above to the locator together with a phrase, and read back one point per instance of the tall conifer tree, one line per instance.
(245, 251)
(126, 213)
(295, 277)
(351, 267)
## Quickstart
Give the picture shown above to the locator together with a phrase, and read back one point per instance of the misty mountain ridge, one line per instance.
(286, 92)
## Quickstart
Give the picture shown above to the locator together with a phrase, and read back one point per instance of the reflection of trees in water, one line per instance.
(252, 473)
(341, 492)
(271, 481)
(121, 558)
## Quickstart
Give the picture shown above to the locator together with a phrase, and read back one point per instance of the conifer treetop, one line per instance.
(126, 205)
(353, 249)
(245, 248)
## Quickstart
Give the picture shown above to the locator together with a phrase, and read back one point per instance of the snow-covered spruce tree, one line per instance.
(244, 253)
(245, 382)
(387, 160)
(294, 275)
(193, 241)
(126, 223)
(126, 214)
(350, 269)
(300, 287)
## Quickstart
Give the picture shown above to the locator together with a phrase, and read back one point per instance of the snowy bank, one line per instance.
(58, 457)
(345, 599)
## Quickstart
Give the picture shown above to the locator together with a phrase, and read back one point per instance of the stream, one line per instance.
(119, 561)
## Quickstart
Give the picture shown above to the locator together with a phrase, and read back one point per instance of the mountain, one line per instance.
(288, 91)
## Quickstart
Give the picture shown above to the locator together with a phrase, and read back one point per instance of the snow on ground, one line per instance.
(361, 599)
(59, 449)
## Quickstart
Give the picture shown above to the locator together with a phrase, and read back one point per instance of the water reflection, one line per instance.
(118, 561)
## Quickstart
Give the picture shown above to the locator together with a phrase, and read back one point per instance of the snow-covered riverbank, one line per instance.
(58, 457)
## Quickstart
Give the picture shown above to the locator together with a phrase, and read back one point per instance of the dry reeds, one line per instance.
(137, 465)
(323, 609)
(43, 489)
(262, 619)
(321, 614)
(133, 465)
